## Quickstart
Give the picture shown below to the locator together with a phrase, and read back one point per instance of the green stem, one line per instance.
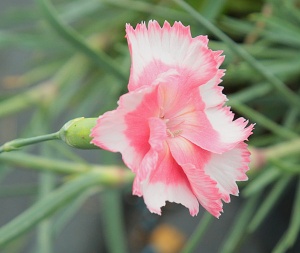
(44, 238)
(47, 164)
(18, 143)
(199, 232)
(113, 221)
(75, 133)
(269, 202)
(237, 232)
(292, 233)
(70, 35)
(260, 156)
(283, 149)
(36, 95)
(250, 93)
(139, 6)
(277, 84)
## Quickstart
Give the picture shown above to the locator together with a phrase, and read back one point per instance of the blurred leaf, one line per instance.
(290, 236)
(262, 180)
(237, 232)
(46, 207)
(269, 202)
(112, 217)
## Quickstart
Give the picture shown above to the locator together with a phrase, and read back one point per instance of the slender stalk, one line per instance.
(283, 149)
(199, 232)
(46, 164)
(272, 154)
(251, 93)
(42, 93)
(166, 13)
(237, 232)
(292, 233)
(113, 221)
(15, 144)
(277, 84)
(75, 133)
(269, 202)
(44, 237)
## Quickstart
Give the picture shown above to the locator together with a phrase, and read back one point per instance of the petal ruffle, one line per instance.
(210, 93)
(227, 168)
(230, 131)
(166, 182)
(155, 50)
(192, 159)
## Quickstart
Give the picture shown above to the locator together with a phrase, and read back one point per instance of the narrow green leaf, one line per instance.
(166, 13)
(112, 215)
(291, 235)
(198, 233)
(283, 28)
(17, 190)
(46, 207)
(211, 9)
(237, 231)
(286, 167)
(70, 35)
(65, 215)
(269, 201)
(4, 170)
(263, 179)
(44, 236)
(253, 92)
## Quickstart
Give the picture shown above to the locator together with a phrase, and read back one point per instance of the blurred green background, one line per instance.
(64, 59)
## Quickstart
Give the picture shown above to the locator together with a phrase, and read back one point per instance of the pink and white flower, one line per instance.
(172, 127)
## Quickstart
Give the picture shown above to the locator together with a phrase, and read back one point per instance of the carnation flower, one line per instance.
(172, 127)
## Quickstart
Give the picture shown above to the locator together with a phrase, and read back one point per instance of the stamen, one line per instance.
(161, 112)
(173, 134)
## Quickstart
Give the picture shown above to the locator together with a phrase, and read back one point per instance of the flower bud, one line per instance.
(76, 133)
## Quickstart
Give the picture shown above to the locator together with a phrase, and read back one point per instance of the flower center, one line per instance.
(173, 130)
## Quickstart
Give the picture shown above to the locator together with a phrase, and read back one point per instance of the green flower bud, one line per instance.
(76, 133)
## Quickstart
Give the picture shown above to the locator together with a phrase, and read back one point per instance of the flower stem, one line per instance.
(18, 143)
(38, 163)
(75, 133)
(283, 149)
(199, 232)
(271, 154)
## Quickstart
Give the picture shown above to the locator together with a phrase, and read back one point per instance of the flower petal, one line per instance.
(166, 182)
(192, 159)
(213, 129)
(158, 134)
(126, 129)
(227, 168)
(156, 50)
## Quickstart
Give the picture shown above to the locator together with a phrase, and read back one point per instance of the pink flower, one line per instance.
(172, 127)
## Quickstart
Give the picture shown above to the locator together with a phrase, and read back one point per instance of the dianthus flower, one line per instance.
(172, 127)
